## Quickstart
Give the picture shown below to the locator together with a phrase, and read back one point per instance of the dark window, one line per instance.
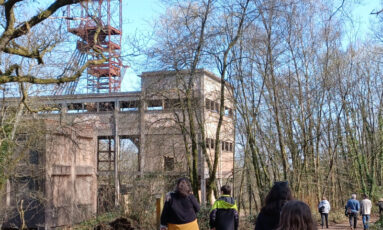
(75, 108)
(207, 102)
(169, 163)
(129, 105)
(155, 105)
(21, 137)
(106, 106)
(212, 141)
(105, 156)
(34, 184)
(90, 107)
(172, 103)
(33, 157)
(207, 143)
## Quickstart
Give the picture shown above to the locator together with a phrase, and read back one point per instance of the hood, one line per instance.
(225, 202)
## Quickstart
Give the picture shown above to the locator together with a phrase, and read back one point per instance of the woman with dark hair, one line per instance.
(296, 215)
(268, 218)
(180, 208)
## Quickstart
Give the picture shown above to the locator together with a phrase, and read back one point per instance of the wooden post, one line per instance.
(159, 205)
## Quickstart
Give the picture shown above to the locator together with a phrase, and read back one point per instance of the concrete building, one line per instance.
(84, 134)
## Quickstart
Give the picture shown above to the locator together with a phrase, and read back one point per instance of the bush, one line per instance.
(203, 217)
(378, 225)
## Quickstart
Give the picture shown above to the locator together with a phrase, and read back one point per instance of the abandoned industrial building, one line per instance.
(93, 146)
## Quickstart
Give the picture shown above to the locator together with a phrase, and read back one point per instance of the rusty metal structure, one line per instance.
(98, 26)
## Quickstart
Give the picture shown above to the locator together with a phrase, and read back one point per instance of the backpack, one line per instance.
(349, 211)
(321, 209)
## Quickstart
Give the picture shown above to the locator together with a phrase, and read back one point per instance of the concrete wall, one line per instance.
(72, 179)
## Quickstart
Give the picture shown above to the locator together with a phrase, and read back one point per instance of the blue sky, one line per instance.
(139, 14)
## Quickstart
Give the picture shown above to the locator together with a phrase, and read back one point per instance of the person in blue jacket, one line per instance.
(353, 208)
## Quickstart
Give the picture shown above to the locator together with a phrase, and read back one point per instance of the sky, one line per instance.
(140, 14)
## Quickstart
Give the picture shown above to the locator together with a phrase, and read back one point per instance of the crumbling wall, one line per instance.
(71, 167)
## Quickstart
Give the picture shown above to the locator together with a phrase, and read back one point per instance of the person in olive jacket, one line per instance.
(268, 218)
(224, 213)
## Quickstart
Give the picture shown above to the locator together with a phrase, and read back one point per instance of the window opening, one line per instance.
(155, 105)
(105, 156)
(168, 163)
(129, 106)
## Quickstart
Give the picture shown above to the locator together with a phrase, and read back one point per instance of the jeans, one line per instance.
(353, 217)
(366, 219)
(324, 216)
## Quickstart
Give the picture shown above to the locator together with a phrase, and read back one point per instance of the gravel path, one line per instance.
(346, 225)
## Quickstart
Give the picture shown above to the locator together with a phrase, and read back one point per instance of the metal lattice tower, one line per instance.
(98, 23)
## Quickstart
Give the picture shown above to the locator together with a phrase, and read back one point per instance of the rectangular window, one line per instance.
(207, 103)
(33, 157)
(75, 108)
(90, 107)
(105, 154)
(155, 105)
(106, 106)
(172, 103)
(129, 105)
(212, 141)
(168, 163)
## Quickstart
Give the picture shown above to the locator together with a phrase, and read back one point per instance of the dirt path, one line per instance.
(346, 225)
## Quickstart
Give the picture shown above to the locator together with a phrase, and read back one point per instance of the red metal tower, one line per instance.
(98, 23)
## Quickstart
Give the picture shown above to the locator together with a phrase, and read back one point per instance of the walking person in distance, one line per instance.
(365, 211)
(324, 209)
(353, 208)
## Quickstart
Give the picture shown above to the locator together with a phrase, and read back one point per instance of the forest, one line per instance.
(307, 91)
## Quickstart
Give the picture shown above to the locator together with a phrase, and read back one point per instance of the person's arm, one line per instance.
(329, 206)
(165, 214)
(195, 203)
(258, 223)
(236, 220)
(213, 215)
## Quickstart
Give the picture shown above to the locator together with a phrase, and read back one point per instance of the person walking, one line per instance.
(268, 218)
(380, 205)
(180, 208)
(224, 213)
(353, 208)
(296, 215)
(365, 210)
(324, 208)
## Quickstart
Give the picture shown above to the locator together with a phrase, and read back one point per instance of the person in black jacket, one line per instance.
(180, 208)
(268, 218)
(224, 213)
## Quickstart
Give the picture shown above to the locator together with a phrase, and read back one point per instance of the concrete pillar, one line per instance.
(116, 156)
(141, 157)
